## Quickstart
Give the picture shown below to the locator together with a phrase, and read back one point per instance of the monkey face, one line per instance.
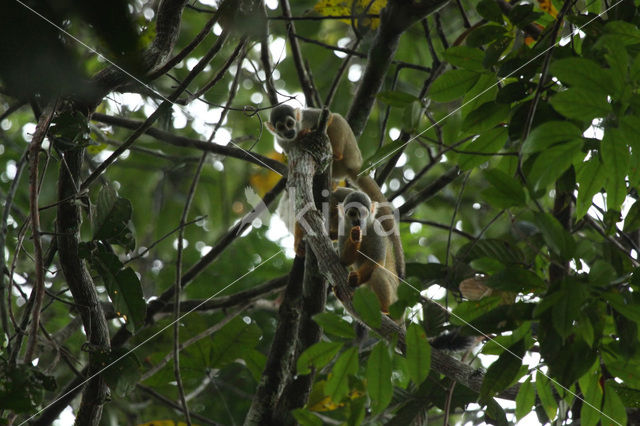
(286, 128)
(357, 215)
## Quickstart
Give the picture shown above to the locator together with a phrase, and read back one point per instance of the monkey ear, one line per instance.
(374, 207)
(298, 114)
(270, 126)
(340, 209)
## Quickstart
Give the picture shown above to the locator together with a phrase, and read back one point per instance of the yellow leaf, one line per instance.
(325, 404)
(263, 180)
(343, 8)
(547, 6)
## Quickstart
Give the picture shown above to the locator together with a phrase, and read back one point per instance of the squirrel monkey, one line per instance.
(288, 124)
(362, 242)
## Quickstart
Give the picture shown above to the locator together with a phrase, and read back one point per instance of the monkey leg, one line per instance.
(349, 252)
(385, 286)
(298, 240)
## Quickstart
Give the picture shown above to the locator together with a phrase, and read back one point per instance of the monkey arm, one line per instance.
(349, 251)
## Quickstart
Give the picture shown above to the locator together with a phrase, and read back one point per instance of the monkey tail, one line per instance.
(371, 188)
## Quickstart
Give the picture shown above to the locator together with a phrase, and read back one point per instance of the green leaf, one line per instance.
(306, 418)
(583, 73)
(623, 32)
(505, 192)
(485, 34)
(499, 250)
(624, 368)
(514, 278)
(494, 413)
(525, 399)
(368, 306)
(590, 175)
(255, 362)
(452, 84)
(613, 408)
(632, 220)
(485, 117)
(337, 386)
(112, 214)
(557, 238)
(384, 152)
(465, 57)
(548, 134)
(232, 342)
(379, 378)
(124, 372)
(418, 353)
(567, 308)
(592, 394)
(489, 142)
(545, 393)
(615, 159)
(331, 323)
(630, 397)
(490, 11)
(396, 98)
(550, 164)
(123, 286)
(503, 371)
(317, 355)
(617, 302)
(581, 104)
(427, 272)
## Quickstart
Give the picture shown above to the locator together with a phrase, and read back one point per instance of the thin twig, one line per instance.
(34, 149)
(172, 404)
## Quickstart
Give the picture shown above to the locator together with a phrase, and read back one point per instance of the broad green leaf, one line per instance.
(630, 397)
(485, 90)
(553, 162)
(545, 393)
(485, 34)
(124, 372)
(306, 418)
(123, 286)
(368, 306)
(255, 362)
(385, 152)
(590, 175)
(112, 214)
(581, 104)
(452, 84)
(501, 250)
(548, 134)
(490, 11)
(632, 220)
(489, 142)
(617, 301)
(396, 98)
(379, 378)
(418, 354)
(583, 73)
(623, 368)
(494, 413)
(623, 32)
(337, 386)
(427, 272)
(615, 159)
(567, 309)
(514, 278)
(503, 371)
(505, 190)
(317, 355)
(465, 57)
(333, 324)
(557, 238)
(485, 117)
(525, 399)
(472, 309)
(592, 394)
(613, 409)
(232, 341)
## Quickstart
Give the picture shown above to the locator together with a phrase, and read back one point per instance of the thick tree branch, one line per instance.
(185, 142)
(82, 287)
(396, 18)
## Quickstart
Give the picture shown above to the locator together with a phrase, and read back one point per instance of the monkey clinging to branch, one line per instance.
(362, 242)
(288, 124)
